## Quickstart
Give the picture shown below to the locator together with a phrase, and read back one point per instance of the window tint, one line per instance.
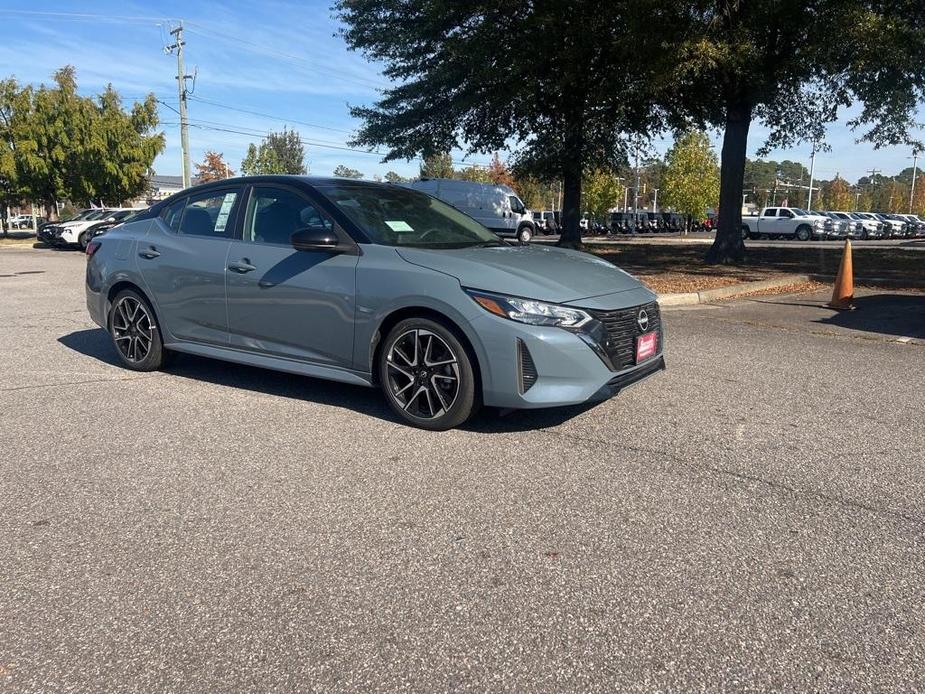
(275, 214)
(202, 215)
(770, 212)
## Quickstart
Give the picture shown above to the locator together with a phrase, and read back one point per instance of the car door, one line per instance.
(182, 260)
(784, 224)
(284, 302)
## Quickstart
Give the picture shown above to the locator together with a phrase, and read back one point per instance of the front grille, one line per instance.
(622, 329)
(528, 373)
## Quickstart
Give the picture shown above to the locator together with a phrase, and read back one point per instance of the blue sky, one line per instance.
(261, 66)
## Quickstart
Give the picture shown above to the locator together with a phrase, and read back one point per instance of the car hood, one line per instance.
(533, 271)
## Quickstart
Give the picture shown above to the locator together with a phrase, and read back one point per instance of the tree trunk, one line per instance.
(571, 208)
(728, 247)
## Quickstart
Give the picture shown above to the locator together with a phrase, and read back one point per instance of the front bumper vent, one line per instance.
(527, 369)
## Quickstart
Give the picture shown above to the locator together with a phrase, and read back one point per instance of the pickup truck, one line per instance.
(785, 221)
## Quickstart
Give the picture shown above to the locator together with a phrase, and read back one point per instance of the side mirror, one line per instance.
(315, 239)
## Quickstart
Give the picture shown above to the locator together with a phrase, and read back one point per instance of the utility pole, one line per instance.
(636, 190)
(655, 200)
(812, 173)
(915, 161)
(182, 93)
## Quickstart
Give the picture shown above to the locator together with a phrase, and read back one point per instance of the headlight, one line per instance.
(530, 311)
(818, 223)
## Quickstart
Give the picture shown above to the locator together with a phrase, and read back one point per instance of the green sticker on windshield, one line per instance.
(399, 226)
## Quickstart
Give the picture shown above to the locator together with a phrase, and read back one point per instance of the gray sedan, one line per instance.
(370, 284)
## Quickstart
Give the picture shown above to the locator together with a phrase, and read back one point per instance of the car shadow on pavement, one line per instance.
(95, 343)
(886, 314)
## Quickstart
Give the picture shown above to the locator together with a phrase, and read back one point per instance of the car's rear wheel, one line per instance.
(134, 332)
(426, 375)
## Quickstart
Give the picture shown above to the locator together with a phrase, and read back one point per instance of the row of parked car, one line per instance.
(794, 222)
(84, 227)
(640, 222)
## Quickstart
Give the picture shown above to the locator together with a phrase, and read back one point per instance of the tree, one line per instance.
(60, 145)
(601, 191)
(393, 177)
(346, 172)
(473, 172)
(437, 165)
(537, 194)
(791, 64)
(279, 153)
(691, 181)
(213, 168)
(836, 194)
(567, 109)
(498, 172)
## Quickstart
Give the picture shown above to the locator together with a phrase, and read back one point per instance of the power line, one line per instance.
(268, 115)
(84, 16)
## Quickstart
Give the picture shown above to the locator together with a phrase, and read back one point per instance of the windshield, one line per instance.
(800, 213)
(395, 216)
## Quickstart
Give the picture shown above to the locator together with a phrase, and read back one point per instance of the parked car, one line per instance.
(114, 220)
(371, 284)
(872, 228)
(73, 232)
(494, 206)
(918, 221)
(840, 228)
(790, 222)
(894, 228)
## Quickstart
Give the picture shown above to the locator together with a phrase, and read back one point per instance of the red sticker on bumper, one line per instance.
(646, 346)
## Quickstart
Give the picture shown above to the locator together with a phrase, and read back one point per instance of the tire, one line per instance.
(405, 366)
(82, 241)
(134, 332)
(746, 234)
(804, 233)
(864, 235)
(524, 234)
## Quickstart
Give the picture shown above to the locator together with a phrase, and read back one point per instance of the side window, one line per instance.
(786, 213)
(173, 214)
(275, 214)
(770, 212)
(208, 214)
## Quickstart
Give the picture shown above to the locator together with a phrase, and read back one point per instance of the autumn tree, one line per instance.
(346, 172)
(213, 168)
(473, 172)
(499, 173)
(691, 180)
(837, 194)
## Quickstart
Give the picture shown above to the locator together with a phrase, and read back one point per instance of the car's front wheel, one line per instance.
(134, 332)
(524, 234)
(426, 375)
(82, 241)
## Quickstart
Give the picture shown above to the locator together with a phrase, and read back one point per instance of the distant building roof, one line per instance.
(171, 181)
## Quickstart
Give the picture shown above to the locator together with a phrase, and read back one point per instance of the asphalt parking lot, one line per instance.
(753, 518)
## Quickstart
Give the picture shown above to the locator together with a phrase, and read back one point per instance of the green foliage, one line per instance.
(346, 172)
(791, 64)
(393, 177)
(60, 145)
(537, 194)
(278, 153)
(437, 165)
(469, 75)
(691, 181)
(478, 174)
(601, 191)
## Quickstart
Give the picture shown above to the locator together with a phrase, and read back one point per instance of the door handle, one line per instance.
(242, 266)
(150, 253)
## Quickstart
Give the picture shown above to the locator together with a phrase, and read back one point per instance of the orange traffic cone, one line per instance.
(843, 292)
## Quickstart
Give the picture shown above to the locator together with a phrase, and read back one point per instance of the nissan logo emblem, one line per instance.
(642, 320)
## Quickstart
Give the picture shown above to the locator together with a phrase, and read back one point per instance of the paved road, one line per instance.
(917, 244)
(752, 518)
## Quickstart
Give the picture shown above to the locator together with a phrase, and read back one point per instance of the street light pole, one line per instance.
(812, 172)
(655, 200)
(915, 161)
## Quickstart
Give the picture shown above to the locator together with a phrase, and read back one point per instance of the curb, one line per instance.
(710, 295)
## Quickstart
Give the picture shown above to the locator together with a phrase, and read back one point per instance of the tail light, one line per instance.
(93, 247)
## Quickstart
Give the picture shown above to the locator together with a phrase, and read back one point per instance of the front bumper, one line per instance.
(568, 370)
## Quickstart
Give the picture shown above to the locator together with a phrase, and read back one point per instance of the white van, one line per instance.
(495, 206)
